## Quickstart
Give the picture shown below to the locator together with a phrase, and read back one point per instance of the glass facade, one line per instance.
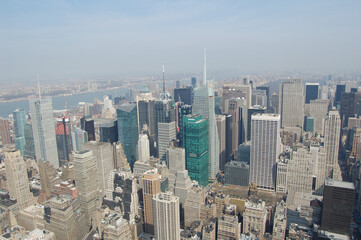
(195, 142)
(19, 116)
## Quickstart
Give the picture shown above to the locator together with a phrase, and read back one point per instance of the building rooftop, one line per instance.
(334, 183)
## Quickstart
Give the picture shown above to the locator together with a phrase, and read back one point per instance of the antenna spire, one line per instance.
(205, 67)
(39, 88)
(163, 80)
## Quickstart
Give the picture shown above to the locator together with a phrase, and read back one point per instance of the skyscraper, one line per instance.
(221, 127)
(319, 110)
(128, 130)
(312, 90)
(195, 140)
(86, 184)
(182, 110)
(337, 209)
(29, 141)
(340, 88)
(265, 148)
(87, 124)
(17, 178)
(108, 130)
(103, 153)
(19, 116)
(166, 134)
(184, 95)
(143, 148)
(5, 131)
(44, 130)
(151, 187)
(78, 137)
(166, 216)
(266, 88)
(347, 107)
(332, 141)
(194, 82)
(291, 103)
(63, 139)
(204, 105)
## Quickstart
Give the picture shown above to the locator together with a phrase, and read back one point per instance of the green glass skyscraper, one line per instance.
(195, 142)
(19, 116)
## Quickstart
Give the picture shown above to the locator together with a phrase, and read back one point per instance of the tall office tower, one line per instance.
(175, 162)
(338, 198)
(165, 118)
(184, 95)
(347, 107)
(280, 221)
(244, 152)
(194, 82)
(19, 116)
(192, 207)
(108, 110)
(182, 186)
(85, 168)
(17, 178)
(44, 130)
(332, 141)
(250, 112)
(122, 193)
(166, 134)
(128, 130)
(48, 178)
(103, 153)
(221, 127)
(237, 108)
(108, 130)
(275, 101)
(259, 98)
(146, 116)
(237, 91)
(143, 148)
(291, 103)
(87, 124)
(63, 139)
(166, 216)
(29, 141)
(151, 187)
(195, 141)
(204, 106)
(324, 92)
(78, 137)
(340, 88)
(5, 131)
(319, 110)
(266, 88)
(265, 148)
(182, 110)
(312, 90)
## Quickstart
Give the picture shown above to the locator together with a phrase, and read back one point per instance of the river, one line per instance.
(59, 102)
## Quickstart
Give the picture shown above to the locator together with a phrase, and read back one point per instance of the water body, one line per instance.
(59, 102)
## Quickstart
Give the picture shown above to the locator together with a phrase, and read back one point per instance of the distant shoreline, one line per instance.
(58, 95)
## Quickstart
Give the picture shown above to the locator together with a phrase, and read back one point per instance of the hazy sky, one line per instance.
(58, 38)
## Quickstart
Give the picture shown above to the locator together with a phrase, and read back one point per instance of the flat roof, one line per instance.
(335, 183)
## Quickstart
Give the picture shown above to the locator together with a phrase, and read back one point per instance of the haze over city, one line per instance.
(72, 39)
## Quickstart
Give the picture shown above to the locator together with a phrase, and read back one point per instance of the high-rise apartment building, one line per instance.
(265, 148)
(338, 198)
(195, 139)
(5, 131)
(166, 216)
(291, 103)
(19, 116)
(128, 130)
(312, 90)
(151, 187)
(44, 130)
(17, 178)
(86, 184)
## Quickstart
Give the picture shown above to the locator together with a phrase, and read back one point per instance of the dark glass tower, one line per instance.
(108, 130)
(63, 139)
(340, 88)
(312, 91)
(87, 124)
(195, 142)
(184, 95)
(128, 130)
